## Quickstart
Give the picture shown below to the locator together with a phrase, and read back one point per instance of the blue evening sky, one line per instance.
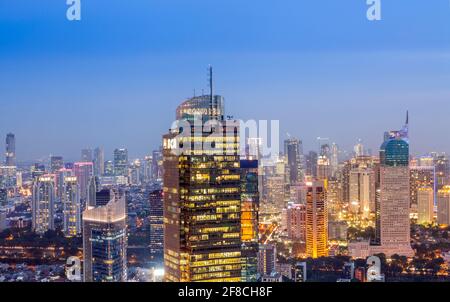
(115, 78)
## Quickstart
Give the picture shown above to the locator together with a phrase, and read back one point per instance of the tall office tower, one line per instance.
(442, 164)
(10, 150)
(359, 149)
(249, 219)
(362, 191)
(311, 164)
(72, 207)
(84, 172)
(99, 162)
(267, 259)
(296, 222)
(43, 203)
(443, 206)
(202, 195)
(420, 176)
(156, 222)
(157, 165)
(425, 205)
(316, 220)
(105, 242)
(293, 150)
(56, 163)
(109, 168)
(121, 162)
(394, 195)
(334, 160)
(86, 155)
(323, 167)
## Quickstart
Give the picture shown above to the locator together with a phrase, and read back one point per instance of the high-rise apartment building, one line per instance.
(362, 191)
(425, 205)
(43, 203)
(296, 222)
(72, 206)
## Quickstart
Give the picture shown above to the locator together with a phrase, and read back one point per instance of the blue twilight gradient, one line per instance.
(115, 78)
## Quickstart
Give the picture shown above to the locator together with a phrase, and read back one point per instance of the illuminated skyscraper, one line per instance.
(121, 162)
(395, 195)
(105, 242)
(443, 206)
(43, 203)
(249, 219)
(323, 167)
(420, 176)
(425, 205)
(72, 207)
(316, 220)
(202, 200)
(442, 165)
(156, 221)
(10, 150)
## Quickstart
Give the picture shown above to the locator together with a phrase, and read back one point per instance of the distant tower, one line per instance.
(86, 155)
(99, 162)
(43, 203)
(293, 150)
(10, 150)
(72, 207)
(121, 162)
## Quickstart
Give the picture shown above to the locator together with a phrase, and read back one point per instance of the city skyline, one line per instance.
(272, 62)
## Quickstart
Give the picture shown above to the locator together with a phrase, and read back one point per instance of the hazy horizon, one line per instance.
(115, 78)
